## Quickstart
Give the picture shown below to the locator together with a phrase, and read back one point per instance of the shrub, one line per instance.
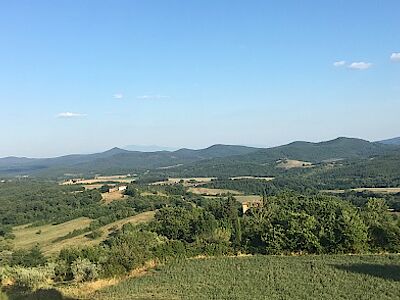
(95, 234)
(129, 250)
(28, 258)
(32, 278)
(84, 270)
(3, 296)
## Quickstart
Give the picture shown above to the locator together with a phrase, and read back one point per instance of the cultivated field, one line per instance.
(98, 180)
(267, 277)
(185, 180)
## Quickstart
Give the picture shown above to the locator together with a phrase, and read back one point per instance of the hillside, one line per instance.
(115, 160)
(214, 160)
(264, 162)
(393, 141)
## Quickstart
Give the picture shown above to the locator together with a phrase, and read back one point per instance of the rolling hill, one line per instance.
(393, 141)
(115, 160)
(238, 160)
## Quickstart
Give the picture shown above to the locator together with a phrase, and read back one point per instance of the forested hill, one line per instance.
(394, 141)
(115, 160)
(337, 149)
(248, 159)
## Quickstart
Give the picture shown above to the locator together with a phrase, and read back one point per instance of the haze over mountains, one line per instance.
(117, 159)
(393, 141)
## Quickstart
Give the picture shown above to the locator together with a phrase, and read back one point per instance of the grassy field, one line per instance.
(113, 196)
(26, 237)
(291, 164)
(212, 192)
(267, 277)
(248, 198)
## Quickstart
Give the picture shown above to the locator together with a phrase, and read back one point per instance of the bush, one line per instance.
(32, 278)
(84, 270)
(28, 258)
(3, 296)
(171, 249)
(95, 234)
(129, 250)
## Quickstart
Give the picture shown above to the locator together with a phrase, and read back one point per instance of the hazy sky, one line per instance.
(83, 76)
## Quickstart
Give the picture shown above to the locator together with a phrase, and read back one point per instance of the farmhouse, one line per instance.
(117, 188)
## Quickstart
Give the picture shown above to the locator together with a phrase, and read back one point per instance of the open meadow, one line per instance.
(267, 277)
(47, 237)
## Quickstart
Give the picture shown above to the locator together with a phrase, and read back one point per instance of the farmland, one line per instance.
(267, 277)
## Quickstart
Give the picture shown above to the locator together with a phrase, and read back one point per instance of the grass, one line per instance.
(113, 196)
(212, 192)
(267, 277)
(291, 164)
(26, 237)
(248, 198)
(106, 230)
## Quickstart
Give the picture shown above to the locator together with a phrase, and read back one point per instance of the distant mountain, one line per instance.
(12, 160)
(214, 159)
(393, 141)
(216, 151)
(264, 161)
(117, 160)
(340, 148)
(148, 148)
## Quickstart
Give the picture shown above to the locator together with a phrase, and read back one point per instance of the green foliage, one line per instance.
(132, 190)
(295, 223)
(104, 188)
(129, 250)
(3, 296)
(32, 278)
(84, 270)
(383, 232)
(95, 234)
(29, 201)
(183, 223)
(28, 258)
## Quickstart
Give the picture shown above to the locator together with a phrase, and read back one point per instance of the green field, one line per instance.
(267, 277)
(26, 237)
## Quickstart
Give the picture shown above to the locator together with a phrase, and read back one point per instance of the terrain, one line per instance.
(274, 277)
(303, 220)
(216, 160)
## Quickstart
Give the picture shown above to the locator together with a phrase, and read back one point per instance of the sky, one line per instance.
(85, 76)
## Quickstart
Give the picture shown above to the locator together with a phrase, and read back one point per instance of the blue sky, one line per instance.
(84, 76)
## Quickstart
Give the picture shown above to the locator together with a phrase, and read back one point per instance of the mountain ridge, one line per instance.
(121, 160)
